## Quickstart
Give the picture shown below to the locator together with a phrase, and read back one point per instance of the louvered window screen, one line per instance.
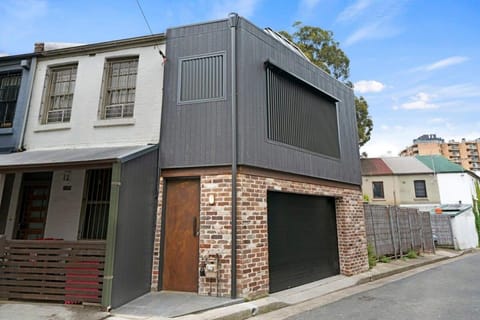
(119, 84)
(9, 86)
(300, 115)
(202, 78)
(58, 96)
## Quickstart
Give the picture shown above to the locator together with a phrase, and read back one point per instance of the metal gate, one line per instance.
(302, 239)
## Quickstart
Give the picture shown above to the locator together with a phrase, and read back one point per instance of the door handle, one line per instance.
(196, 227)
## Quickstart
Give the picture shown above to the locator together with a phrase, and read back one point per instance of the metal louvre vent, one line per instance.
(202, 78)
(299, 115)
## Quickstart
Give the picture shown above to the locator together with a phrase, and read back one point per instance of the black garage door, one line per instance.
(302, 239)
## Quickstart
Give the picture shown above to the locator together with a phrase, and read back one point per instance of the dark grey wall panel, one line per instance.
(135, 229)
(199, 134)
(255, 48)
(10, 137)
(195, 133)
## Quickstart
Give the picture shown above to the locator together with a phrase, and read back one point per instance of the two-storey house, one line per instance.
(260, 180)
(87, 181)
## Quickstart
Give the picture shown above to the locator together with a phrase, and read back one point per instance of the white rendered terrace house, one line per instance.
(88, 176)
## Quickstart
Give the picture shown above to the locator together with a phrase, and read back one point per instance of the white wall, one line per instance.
(84, 128)
(455, 187)
(65, 205)
(464, 231)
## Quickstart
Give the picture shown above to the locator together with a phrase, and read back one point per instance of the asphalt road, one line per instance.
(450, 292)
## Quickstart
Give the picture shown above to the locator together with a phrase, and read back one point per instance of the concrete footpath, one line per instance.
(237, 311)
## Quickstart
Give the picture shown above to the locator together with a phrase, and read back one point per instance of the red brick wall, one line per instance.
(252, 233)
(156, 245)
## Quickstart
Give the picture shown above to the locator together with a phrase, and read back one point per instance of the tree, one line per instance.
(476, 208)
(364, 122)
(321, 48)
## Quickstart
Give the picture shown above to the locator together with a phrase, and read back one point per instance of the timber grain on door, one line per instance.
(34, 205)
(182, 225)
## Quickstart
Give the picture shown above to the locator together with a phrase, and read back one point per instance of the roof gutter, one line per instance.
(233, 23)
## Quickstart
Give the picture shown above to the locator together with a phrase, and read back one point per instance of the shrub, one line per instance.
(384, 259)
(411, 254)
(372, 259)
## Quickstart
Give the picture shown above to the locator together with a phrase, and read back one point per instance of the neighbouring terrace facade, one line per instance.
(85, 184)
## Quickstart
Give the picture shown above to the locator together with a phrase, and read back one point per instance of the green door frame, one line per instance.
(111, 235)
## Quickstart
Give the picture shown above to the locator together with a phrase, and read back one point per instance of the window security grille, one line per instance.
(120, 78)
(300, 115)
(420, 189)
(97, 204)
(9, 87)
(201, 78)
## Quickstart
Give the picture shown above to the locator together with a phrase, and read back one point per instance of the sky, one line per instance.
(415, 62)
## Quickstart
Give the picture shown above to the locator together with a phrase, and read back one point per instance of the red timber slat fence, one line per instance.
(52, 270)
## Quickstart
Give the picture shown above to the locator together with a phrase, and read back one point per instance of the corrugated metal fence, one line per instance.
(393, 231)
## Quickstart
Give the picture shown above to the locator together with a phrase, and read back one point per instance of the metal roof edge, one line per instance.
(17, 57)
(113, 44)
(136, 154)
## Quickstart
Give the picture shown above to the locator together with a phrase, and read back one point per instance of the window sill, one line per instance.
(53, 127)
(6, 131)
(114, 122)
(420, 199)
(378, 199)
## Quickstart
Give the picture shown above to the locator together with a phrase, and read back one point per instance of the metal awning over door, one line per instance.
(302, 239)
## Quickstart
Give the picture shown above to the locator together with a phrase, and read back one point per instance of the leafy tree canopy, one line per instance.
(321, 48)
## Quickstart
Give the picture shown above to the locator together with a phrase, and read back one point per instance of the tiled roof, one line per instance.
(374, 167)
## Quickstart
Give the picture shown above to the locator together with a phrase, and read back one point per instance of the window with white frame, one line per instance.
(9, 86)
(58, 93)
(119, 84)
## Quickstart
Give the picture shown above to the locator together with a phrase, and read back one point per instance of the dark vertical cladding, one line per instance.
(196, 103)
(135, 229)
(299, 115)
(325, 146)
(196, 125)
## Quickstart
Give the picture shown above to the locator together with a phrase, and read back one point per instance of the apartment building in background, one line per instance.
(464, 153)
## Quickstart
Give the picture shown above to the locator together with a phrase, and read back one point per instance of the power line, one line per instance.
(144, 17)
(150, 29)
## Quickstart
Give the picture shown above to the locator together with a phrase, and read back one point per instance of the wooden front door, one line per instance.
(182, 223)
(34, 205)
